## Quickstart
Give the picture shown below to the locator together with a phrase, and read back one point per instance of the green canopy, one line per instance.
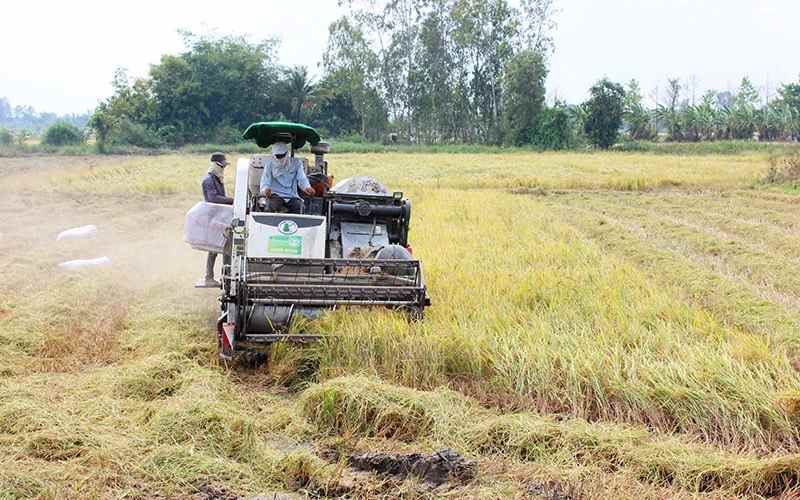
(267, 133)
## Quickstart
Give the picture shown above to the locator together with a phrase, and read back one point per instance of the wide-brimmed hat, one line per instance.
(220, 159)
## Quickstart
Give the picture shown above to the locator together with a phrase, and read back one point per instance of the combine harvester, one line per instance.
(349, 248)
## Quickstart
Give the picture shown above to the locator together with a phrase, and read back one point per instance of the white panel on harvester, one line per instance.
(286, 235)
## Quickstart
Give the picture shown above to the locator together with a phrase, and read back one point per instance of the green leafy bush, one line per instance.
(556, 129)
(62, 134)
(134, 134)
(5, 137)
(228, 134)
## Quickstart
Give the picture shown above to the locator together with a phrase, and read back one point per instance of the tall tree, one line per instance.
(636, 116)
(605, 109)
(524, 94)
(218, 80)
(437, 65)
(790, 94)
(350, 62)
(299, 89)
(537, 21)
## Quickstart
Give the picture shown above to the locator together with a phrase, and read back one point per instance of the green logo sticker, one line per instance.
(287, 227)
(286, 245)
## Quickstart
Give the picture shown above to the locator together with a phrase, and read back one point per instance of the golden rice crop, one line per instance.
(581, 337)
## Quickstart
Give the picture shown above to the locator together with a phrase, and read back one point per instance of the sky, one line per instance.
(60, 56)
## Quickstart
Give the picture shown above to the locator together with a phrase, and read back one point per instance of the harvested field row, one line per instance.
(699, 238)
(746, 260)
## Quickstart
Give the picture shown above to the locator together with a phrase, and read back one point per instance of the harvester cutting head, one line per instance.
(349, 247)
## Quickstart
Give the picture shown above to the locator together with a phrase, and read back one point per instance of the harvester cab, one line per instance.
(349, 247)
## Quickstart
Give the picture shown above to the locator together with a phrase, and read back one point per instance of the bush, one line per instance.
(227, 134)
(134, 134)
(555, 129)
(169, 134)
(5, 137)
(62, 134)
(356, 138)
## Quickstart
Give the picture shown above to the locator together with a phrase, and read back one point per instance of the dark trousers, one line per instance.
(293, 206)
(210, 260)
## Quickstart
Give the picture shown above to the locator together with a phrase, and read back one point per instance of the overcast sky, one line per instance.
(60, 56)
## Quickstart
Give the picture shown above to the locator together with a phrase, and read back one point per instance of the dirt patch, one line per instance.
(435, 469)
(209, 492)
(553, 490)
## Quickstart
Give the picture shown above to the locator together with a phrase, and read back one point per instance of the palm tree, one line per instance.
(300, 89)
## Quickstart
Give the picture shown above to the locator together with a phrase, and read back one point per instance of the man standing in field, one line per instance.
(283, 174)
(214, 192)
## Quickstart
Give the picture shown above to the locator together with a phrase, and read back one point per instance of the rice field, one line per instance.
(604, 326)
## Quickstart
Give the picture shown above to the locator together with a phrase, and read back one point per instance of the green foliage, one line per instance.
(334, 113)
(350, 64)
(23, 136)
(523, 99)
(638, 118)
(101, 123)
(5, 137)
(220, 79)
(726, 116)
(707, 148)
(556, 128)
(226, 134)
(605, 110)
(127, 132)
(169, 134)
(62, 134)
(297, 91)
(445, 72)
(439, 71)
(790, 100)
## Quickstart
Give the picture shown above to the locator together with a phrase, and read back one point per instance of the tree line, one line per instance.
(420, 71)
(25, 121)
(431, 71)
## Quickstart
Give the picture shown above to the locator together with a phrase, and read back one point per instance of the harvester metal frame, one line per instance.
(261, 296)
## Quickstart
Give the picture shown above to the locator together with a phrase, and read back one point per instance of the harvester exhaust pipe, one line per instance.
(320, 150)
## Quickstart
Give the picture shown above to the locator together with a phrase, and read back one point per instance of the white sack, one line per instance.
(78, 233)
(72, 265)
(206, 226)
(360, 184)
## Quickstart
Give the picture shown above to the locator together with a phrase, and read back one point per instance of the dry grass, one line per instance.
(166, 175)
(640, 343)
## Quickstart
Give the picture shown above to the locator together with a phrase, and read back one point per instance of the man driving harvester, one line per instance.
(282, 176)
